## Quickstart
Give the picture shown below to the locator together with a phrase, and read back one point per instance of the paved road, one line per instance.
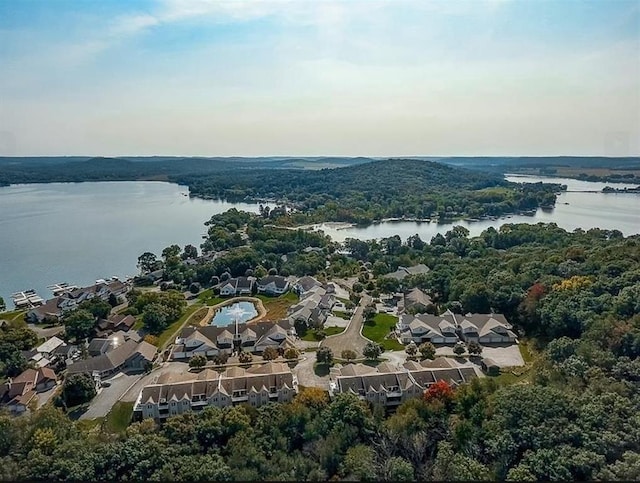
(108, 396)
(351, 338)
(306, 375)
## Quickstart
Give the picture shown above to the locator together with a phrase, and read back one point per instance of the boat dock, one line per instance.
(61, 288)
(27, 299)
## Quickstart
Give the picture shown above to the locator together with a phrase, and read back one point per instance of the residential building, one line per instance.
(252, 337)
(237, 286)
(485, 329)
(115, 323)
(404, 272)
(415, 301)
(271, 382)
(130, 355)
(305, 284)
(390, 386)
(437, 329)
(273, 285)
(99, 346)
(18, 392)
(55, 307)
(314, 306)
(449, 328)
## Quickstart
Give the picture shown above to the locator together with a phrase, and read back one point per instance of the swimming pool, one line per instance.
(243, 311)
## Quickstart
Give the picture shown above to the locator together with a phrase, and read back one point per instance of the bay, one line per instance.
(80, 232)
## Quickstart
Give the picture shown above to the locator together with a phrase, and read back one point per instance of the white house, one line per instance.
(273, 285)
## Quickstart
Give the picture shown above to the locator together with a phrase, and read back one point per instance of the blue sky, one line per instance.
(303, 77)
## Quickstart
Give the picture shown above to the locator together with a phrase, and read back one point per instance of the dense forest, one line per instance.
(574, 415)
(377, 190)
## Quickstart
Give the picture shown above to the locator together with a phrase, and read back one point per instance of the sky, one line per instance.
(320, 77)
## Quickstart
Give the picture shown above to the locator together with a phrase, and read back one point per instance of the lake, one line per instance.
(79, 232)
(611, 211)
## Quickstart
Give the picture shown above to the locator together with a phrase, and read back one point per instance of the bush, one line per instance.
(324, 355)
(245, 357)
(427, 350)
(221, 358)
(270, 353)
(372, 350)
(291, 353)
(198, 361)
(348, 355)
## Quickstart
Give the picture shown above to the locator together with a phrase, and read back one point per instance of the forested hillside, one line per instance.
(377, 190)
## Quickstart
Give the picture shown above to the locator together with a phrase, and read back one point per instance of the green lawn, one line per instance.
(119, 417)
(342, 315)
(276, 307)
(208, 298)
(378, 328)
(170, 332)
(16, 317)
(310, 336)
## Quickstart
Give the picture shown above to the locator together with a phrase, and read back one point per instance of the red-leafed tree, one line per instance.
(439, 391)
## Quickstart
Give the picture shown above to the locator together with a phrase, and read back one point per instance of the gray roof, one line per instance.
(277, 280)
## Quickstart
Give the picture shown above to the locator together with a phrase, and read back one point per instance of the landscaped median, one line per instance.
(378, 328)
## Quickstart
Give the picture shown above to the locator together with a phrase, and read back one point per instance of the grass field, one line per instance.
(16, 317)
(378, 328)
(119, 417)
(310, 336)
(170, 332)
(276, 307)
(342, 315)
(208, 298)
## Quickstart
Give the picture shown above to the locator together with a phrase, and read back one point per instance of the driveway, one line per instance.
(306, 375)
(333, 321)
(351, 338)
(47, 333)
(503, 355)
(108, 396)
(45, 397)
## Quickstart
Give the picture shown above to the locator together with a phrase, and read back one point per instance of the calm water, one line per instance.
(573, 210)
(79, 232)
(225, 316)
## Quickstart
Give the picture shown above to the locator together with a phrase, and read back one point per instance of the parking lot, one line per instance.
(108, 396)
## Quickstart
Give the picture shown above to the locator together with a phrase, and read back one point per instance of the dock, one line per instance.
(61, 288)
(27, 299)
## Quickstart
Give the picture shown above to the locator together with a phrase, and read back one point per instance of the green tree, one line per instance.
(411, 349)
(452, 466)
(291, 353)
(3, 306)
(324, 355)
(245, 357)
(360, 463)
(427, 350)
(147, 262)
(198, 361)
(79, 324)
(155, 318)
(97, 307)
(348, 355)
(372, 350)
(78, 389)
(189, 252)
(474, 348)
(459, 349)
(12, 362)
(397, 468)
(270, 353)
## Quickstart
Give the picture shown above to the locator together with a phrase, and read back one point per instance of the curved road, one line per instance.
(351, 338)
